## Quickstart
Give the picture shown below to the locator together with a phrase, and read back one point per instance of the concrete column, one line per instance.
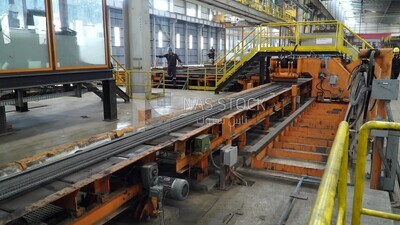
(186, 44)
(137, 47)
(154, 42)
(199, 49)
(217, 43)
(173, 34)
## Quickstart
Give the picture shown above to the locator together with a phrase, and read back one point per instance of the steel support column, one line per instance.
(109, 100)
(3, 121)
(267, 75)
(21, 106)
(262, 70)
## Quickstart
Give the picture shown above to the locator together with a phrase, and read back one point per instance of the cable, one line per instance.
(239, 176)
(213, 162)
(389, 111)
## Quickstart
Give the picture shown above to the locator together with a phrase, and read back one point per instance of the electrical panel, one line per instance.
(385, 89)
(229, 155)
(333, 79)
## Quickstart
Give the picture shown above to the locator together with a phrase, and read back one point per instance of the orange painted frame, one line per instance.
(49, 47)
(106, 45)
(52, 46)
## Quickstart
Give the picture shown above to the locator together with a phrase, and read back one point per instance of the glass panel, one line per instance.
(79, 33)
(23, 35)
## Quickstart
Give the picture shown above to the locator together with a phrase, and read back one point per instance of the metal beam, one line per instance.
(9, 82)
(384, 14)
(240, 10)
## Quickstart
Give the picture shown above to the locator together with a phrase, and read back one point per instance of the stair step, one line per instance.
(307, 141)
(316, 125)
(326, 105)
(302, 147)
(313, 130)
(294, 166)
(296, 154)
(316, 120)
(310, 135)
(323, 117)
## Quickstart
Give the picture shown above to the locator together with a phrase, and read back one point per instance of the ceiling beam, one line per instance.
(384, 14)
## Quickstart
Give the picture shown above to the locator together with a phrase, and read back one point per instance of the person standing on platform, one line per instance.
(211, 54)
(395, 63)
(172, 60)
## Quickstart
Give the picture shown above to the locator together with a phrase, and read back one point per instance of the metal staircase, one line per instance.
(327, 37)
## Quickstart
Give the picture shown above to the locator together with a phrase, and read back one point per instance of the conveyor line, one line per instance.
(42, 174)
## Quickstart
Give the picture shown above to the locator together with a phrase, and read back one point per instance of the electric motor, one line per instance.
(174, 188)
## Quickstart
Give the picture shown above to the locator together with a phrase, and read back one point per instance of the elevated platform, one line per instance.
(251, 55)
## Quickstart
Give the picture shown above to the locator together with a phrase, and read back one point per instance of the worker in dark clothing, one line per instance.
(172, 58)
(211, 54)
(395, 63)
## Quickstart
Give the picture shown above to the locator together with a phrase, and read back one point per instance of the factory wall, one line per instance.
(194, 38)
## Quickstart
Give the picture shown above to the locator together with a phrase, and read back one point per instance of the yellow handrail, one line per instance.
(360, 171)
(295, 36)
(334, 180)
(335, 176)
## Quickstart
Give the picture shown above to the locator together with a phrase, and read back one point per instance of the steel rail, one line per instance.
(47, 172)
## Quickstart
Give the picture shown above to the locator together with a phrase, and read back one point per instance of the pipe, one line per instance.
(290, 203)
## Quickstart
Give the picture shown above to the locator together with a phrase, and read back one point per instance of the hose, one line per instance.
(213, 162)
(389, 111)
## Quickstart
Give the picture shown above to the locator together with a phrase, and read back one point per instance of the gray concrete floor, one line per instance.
(54, 122)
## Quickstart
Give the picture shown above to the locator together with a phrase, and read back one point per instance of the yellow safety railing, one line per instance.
(334, 181)
(124, 77)
(362, 152)
(202, 78)
(144, 89)
(119, 72)
(308, 36)
(240, 53)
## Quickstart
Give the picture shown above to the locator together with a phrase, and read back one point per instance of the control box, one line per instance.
(229, 155)
(385, 89)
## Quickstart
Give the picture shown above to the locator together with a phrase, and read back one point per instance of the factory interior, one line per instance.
(199, 112)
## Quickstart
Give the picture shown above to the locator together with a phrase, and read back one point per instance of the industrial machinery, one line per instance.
(174, 188)
(309, 94)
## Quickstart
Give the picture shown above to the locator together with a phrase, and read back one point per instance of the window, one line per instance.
(79, 33)
(160, 39)
(202, 43)
(199, 11)
(190, 42)
(190, 9)
(23, 36)
(161, 5)
(178, 41)
(171, 5)
(220, 44)
(117, 37)
(211, 42)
